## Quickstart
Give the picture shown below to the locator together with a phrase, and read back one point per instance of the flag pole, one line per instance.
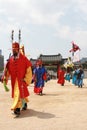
(12, 39)
(72, 51)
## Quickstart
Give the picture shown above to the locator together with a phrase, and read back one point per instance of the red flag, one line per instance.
(74, 47)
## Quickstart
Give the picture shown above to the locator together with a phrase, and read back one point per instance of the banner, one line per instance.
(74, 47)
(76, 56)
(75, 52)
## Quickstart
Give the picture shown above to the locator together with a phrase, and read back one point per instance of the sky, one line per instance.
(47, 26)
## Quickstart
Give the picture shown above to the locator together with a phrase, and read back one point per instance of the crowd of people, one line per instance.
(77, 76)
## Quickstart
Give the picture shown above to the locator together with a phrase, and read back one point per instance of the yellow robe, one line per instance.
(17, 101)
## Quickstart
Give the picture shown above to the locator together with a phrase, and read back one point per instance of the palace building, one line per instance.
(51, 62)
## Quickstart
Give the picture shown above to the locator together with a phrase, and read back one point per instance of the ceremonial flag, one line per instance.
(76, 56)
(75, 52)
(74, 47)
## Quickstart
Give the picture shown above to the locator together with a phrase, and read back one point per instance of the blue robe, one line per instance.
(39, 79)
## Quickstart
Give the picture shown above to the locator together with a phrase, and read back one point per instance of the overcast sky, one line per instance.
(47, 26)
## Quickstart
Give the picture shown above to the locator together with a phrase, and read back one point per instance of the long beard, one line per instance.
(15, 54)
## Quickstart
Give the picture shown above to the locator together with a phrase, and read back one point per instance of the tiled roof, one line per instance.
(51, 57)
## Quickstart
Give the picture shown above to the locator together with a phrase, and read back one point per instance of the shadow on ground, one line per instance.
(34, 113)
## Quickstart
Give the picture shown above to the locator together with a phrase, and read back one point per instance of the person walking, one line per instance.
(18, 68)
(61, 76)
(80, 76)
(74, 76)
(39, 77)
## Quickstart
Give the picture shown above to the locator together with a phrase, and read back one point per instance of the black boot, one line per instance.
(41, 93)
(81, 86)
(17, 111)
(25, 106)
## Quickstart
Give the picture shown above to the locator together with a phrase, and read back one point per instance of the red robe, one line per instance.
(17, 70)
(61, 79)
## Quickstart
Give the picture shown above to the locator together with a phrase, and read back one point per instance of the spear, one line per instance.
(19, 37)
(12, 36)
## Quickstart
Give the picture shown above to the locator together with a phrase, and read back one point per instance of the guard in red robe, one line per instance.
(61, 78)
(19, 69)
